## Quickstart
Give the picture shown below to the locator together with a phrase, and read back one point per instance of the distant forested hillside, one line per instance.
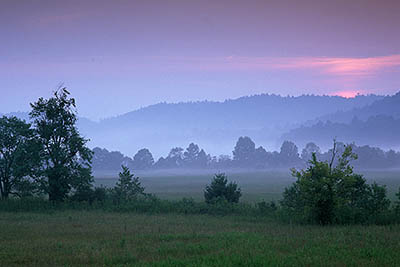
(380, 130)
(377, 124)
(389, 106)
(245, 112)
(214, 125)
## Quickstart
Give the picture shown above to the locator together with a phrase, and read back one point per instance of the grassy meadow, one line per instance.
(103, 239)
(256, 186)
(97, 237)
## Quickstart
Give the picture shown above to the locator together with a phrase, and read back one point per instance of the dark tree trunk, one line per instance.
(54, 190)
(4, 195)
(58, 186)
(1, 189)
(5, 188)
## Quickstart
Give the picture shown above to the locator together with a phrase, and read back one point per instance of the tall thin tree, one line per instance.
(66, 159)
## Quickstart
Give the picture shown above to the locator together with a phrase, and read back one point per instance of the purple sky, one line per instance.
(116, 56)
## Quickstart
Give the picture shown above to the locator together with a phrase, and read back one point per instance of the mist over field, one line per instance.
(215, 126)
(199, 133)
(157, 77)
(251, 133)
(267, 119)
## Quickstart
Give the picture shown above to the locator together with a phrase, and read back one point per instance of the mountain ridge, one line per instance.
(375, 124)
(214, 125)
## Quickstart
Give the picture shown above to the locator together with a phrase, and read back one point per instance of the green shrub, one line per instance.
(128, 187)
(219, 190)
(325, 194)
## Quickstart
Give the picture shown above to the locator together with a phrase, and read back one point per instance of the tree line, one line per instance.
(50, 158)
(245, 155)
(325, 192)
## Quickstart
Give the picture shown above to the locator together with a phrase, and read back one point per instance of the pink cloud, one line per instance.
(347, 72)
(345, 66)
(336, 66)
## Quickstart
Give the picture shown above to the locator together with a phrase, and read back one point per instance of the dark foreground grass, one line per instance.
(99, 238)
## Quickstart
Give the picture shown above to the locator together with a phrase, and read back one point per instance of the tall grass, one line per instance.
(186, 206)
(98, 238)
(151, 205)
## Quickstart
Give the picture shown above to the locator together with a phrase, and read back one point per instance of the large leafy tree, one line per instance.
(18, 157)
(190, 156)
(105, 160)
(173, 160)
(309, 149)
(327, 193)
(243, 154)
(143, 160)
(194, 157)
(289, 154)
(261, 157)
(66, 159)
